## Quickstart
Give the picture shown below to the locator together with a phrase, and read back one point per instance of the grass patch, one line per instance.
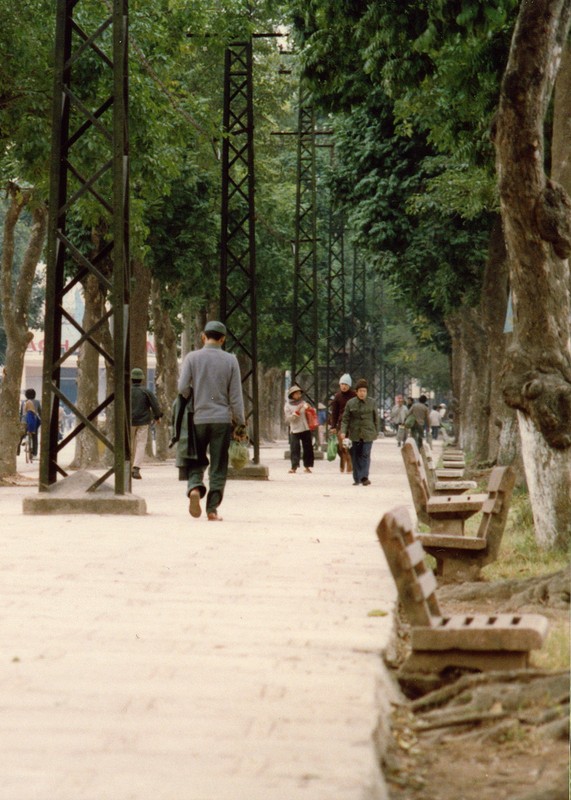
(554, 654)
(520, 556)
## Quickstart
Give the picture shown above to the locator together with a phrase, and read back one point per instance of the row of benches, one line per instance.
(439, 642)
(459, 557)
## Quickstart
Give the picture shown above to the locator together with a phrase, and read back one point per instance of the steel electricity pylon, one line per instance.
(337, 351)
(238, 242)
(359, 357)
(90, 162)
(305, 351)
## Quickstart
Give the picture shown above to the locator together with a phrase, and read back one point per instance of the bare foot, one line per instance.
(213, 517)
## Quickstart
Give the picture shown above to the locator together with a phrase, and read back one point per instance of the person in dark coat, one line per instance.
(144, 408)
(360, 427)
(340, 400)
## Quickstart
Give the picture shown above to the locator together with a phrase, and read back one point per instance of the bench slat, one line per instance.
(451, 542)
(413, 555)
(426, 585)
(455, 486)
(528, 633)
(456, 503)
(449, 473)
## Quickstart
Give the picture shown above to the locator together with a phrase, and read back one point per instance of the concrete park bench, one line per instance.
(452, 459)
(453, 456)
(479, 641)
(444, 481)
(442, 513)
(461, 558)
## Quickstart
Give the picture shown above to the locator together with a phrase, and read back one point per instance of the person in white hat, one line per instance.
(340, 400)
(300, 433)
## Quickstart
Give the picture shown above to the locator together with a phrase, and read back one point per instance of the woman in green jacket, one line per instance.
(360, 427)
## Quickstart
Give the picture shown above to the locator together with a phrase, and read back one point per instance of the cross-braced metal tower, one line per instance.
(358, 341)
(89, 163)
(238, 246)
(337, 356)
(394, 381)
(304, 361)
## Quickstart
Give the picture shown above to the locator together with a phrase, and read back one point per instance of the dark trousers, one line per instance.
(361, 454)
(418, 435)
(212, 439)
(298, 441)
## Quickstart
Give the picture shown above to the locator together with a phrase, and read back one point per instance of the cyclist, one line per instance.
(30, 413)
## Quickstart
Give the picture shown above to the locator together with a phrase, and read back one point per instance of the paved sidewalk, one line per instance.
(167, 658)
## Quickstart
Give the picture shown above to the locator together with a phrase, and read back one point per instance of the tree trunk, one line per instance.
(561, 139)
(139, 314)
(493, 308)
(139, 324)
(479, 345)
(475, 386)
(166, 373)
(457, 359)
(271, 404)
(108, 427)
(15, 301)
(86, 444)
(536, 213)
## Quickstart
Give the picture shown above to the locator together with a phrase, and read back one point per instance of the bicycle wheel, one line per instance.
(29, 448)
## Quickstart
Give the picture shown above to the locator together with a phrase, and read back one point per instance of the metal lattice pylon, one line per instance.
(395, 381)
(358, 334)
(337, 356)
(304, 362)
(238, 246)
(89, 161)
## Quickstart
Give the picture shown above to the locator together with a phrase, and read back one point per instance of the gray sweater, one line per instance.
(214, 375)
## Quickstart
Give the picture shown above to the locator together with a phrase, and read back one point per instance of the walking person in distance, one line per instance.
(340, 400)
(360, 425)
(144, 408)
(300, 438)
(210, 379)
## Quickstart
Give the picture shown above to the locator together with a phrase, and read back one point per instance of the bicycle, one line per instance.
(29, 448)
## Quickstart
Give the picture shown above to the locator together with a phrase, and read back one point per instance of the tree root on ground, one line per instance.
(15, 479)
(514, 595)
(510, 700)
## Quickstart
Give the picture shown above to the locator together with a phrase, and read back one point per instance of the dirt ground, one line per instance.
(503, 755)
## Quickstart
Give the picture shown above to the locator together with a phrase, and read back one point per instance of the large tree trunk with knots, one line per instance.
(481, 416)
(15, 300)
(536, 213)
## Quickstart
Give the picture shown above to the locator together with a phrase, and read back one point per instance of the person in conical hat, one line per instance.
(300, 438)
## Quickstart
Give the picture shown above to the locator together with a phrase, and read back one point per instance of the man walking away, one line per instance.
(212, 376)
(144, 408)
(419, 412)
(434, 419)
(397, 417)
